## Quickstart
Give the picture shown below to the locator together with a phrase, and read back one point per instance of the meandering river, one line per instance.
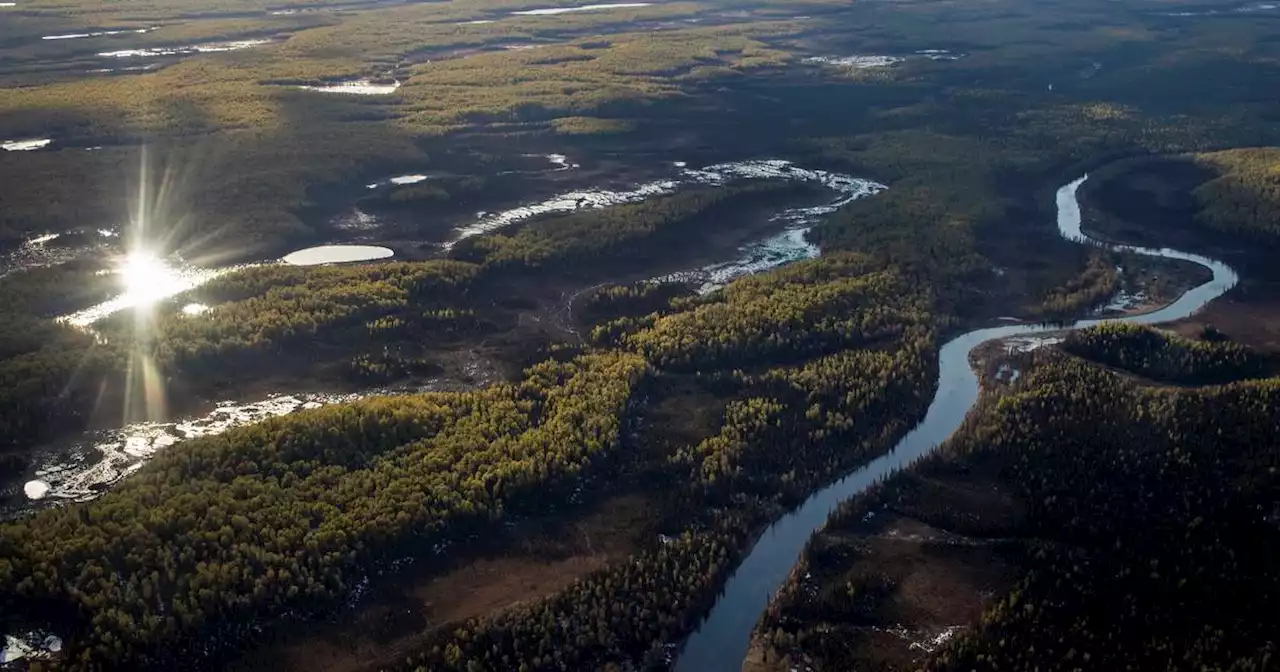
(720, 644)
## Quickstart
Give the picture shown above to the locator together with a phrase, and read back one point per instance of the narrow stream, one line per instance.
(720, 644)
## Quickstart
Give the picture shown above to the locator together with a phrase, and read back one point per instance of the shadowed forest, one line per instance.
(1110, 507)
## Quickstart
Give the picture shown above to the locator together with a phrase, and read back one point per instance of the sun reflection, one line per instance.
(151, 273)
(148, 279)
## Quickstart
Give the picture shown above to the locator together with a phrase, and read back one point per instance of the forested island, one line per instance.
(589, 375)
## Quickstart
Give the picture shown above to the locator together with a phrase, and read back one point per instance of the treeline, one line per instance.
(1245, 197)
(1097, 283)
(820, 418)
(1134, 518)
(266, 310)
(1165, 356)
(797, 312)
(288, 515)
(50, 373)
(783, 431)
(614, 302)
(625, 613)
(57, 385)
(1155, 554)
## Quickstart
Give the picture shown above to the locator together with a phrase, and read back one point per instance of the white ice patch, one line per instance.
(336, 254)
(1024, 344)
(107, 457)
(939, 55)
(551, 11)
(567, 202)
(194, 309)
(356, 87)
(206, 48)
(785, 248)
(99, 33)
(791, 244)
(561, 162)
(931, 644)
(873, 62)
(132, 68)
(31, 645)
(857, 62)
(850, 187)
(1246, 9)
(1124, 301)
(25, 145)
(35, 490)
(355, 220)
(399, 181)
(5, 5)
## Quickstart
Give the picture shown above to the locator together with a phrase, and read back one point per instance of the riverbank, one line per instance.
(721, 643)
(1039, 507)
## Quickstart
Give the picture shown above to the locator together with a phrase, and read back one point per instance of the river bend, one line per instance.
(720, 644)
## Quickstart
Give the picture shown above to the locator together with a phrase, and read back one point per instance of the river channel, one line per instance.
(721, 642)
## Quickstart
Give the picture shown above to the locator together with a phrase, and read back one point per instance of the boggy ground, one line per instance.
(888, 582)
(522, 561)
(526, 560)
(901, 585)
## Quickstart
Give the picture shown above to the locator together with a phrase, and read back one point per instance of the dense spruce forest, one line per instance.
(1099, 516)
(1243, 197)
(289, 514)
(280, 515)
(1164, 357)
(1119, 524)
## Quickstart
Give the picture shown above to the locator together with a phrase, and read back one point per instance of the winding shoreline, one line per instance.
(720, 643)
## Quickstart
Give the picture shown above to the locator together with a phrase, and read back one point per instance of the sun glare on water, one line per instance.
(146, 279)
